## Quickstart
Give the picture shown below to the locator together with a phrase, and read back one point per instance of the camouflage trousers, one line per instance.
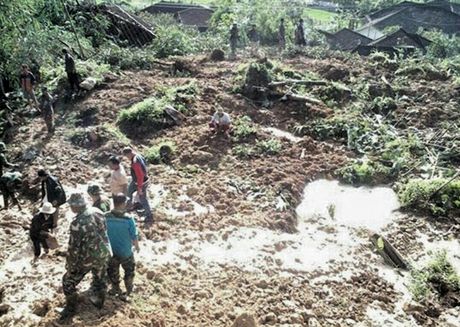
(129, 266)
(71, 280)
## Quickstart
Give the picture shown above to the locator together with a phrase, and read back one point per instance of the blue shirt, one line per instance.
(122, 232)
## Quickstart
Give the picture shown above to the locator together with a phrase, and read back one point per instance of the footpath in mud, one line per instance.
(265, 240)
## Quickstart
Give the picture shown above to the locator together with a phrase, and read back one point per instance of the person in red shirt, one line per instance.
(139, 182)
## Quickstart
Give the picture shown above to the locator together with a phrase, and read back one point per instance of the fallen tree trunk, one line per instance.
(296, 97)
(298, 82)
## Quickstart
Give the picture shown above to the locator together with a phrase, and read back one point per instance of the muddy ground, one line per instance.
(227, 239)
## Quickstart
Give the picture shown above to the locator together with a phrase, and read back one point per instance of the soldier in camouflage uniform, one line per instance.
(9, 184)
(89, 251)
(3, 161)
(100, 201)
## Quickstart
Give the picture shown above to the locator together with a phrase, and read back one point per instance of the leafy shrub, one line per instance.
(243, 128)
(438, 277)
(155, 154)
(243, 151)
(426, 195)
(125, 58)
(367, 172)
(180, 97)
(143, 117)
(270, 147)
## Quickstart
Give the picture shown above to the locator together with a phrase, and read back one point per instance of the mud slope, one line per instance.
(227, 237)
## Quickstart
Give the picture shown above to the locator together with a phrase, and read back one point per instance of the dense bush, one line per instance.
(435, 196)
(143, 117)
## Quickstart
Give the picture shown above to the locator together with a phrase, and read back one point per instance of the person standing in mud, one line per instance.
(42, 224)
(9, 184)
(299, 36)
(139, 183)
(4, 163)
(27, 80)
(52, 192)
(122, 232)
(100, 201)
(46, 107)
(282, 35)
(89, 251)
(234, 37)
(253, 36)
(71, 70)
(118, 178)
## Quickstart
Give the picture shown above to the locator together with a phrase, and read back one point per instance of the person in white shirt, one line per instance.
(221, 122)
(118, 178)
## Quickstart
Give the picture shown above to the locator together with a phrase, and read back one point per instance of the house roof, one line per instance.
(443, 4)
(411, 18)
(346, 39)
(165, 7)
(195, 16)
(401, 38)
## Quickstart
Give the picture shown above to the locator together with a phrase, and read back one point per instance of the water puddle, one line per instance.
(331, 220)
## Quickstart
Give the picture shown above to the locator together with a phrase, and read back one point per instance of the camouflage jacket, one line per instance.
(3, 163)
(102, 204)
(88, 244)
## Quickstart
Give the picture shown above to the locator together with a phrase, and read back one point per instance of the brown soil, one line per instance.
(171, 295)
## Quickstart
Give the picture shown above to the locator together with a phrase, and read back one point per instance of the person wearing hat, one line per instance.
(3, 161)
(46, 107)
(100, 201)
(88, 252)
(221, 122)
(9, 183)
(122, 232)
(299, 37)
(139, 182)
(42, 224)
(52, 191)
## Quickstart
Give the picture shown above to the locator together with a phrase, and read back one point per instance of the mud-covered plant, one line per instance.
(270, 147)
(143, 117)
(243, 151)
(364, 172)
(438, 277)
(244, 128)
(180, 97)
(160, 152)
(438, 196)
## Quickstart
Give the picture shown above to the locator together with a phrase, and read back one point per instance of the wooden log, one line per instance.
(299, 82)
(388, 252)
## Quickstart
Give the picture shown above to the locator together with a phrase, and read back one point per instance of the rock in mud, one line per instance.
(4, 308)
(217, 55)
(245, 320)
(41, 308)
(88, 84)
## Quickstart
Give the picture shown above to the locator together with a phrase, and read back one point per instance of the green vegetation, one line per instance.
(143, 117)
(436, 196)
(270, 147)
(148, 116)
(322, 16)
(243, 151)
(160, 152)
(438, 277)
(360, 172)
(243, 128)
